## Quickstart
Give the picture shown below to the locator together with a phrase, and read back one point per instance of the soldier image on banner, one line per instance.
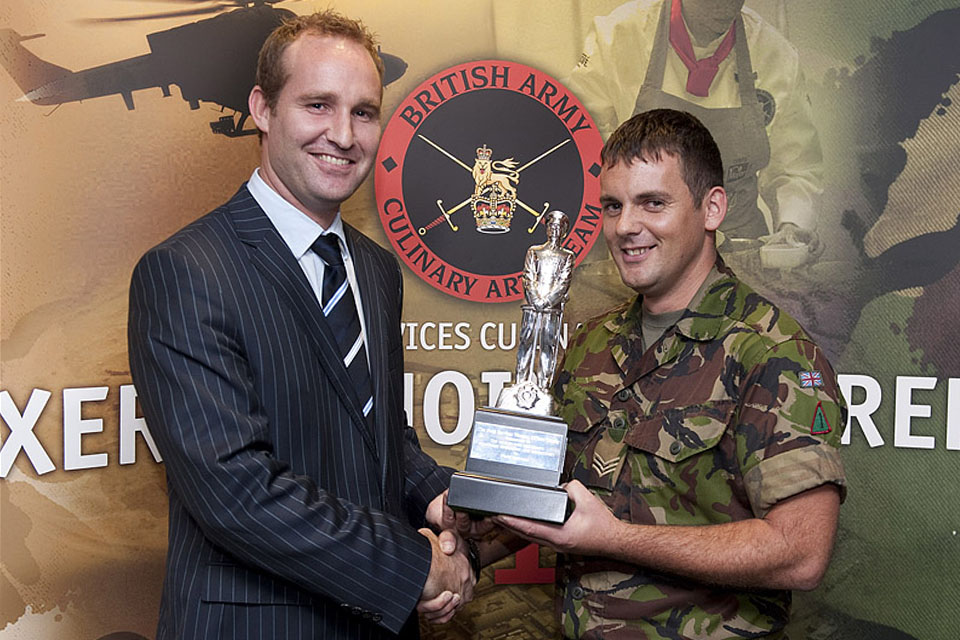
(728, 67)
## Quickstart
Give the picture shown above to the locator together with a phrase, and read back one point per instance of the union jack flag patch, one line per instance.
(811, 379)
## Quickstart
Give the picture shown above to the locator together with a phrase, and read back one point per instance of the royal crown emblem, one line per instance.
(494, 197)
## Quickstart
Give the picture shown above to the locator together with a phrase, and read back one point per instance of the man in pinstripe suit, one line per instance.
(295, 487)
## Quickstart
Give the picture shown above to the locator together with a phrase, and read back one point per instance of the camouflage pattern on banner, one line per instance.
(124, 121)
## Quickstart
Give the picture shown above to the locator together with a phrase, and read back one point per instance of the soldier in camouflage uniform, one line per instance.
(704, 422)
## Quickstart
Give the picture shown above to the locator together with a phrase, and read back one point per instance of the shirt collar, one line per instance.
(298, 231)
(704, 316)
(709, 310)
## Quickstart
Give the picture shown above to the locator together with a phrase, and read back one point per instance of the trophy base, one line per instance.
(487, 496)
(513, 467)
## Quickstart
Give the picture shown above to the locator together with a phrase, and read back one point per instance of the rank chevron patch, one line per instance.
(604, 467)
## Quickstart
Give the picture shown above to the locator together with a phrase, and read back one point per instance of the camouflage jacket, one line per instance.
(733, 409)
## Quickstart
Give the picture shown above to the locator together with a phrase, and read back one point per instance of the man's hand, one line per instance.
(586, 531)
(442, 517)
(450, 582)
(791, 235)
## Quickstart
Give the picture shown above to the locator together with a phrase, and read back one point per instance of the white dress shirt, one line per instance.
(299, 232)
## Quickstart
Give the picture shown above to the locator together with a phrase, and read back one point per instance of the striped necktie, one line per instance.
(340, 310)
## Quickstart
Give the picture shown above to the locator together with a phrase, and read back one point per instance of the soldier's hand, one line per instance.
(442, 517)
(586, 531)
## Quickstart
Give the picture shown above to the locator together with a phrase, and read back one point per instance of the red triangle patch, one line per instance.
(819, 424)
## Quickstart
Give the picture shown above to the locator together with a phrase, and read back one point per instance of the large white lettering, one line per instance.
(431, 407)
(905, 411)
(495, 381)
(22, 437)
(27, 437)
(408, 397)
(863, 411)
(75, 426)
(953, 414)
(131, 425)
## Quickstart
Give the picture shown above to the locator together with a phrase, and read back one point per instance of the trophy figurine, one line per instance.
(517, 448)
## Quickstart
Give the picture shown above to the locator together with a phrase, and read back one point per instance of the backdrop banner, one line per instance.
(124, 121)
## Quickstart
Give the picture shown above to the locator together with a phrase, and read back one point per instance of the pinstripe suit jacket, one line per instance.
(290, 516)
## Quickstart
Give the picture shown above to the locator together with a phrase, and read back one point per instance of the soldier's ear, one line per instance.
(714, 208)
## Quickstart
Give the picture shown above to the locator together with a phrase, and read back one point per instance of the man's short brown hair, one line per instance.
(271, 75)
(648, 135)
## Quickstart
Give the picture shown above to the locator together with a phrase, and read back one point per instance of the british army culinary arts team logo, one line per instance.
(470, 163)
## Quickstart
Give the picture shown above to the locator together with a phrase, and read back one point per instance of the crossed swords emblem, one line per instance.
(446, 214)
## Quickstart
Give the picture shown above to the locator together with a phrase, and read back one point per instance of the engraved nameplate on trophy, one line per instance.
(517, 447)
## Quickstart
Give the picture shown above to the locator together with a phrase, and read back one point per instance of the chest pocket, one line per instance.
(661, 468)
(675, 435)
(681, 468)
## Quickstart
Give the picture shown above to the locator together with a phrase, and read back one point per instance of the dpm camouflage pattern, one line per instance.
(733, 409)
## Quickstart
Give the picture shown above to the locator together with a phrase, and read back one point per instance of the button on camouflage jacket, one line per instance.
(733, 409)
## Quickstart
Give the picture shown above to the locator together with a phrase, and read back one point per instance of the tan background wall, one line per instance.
(87, 187)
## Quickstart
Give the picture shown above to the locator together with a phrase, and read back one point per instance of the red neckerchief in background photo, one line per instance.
(701, 72)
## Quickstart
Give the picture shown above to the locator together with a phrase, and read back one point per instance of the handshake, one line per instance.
(453, 575)
(454, 561)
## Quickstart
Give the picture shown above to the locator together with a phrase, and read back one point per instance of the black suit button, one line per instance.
(356, 611)
(377, 617)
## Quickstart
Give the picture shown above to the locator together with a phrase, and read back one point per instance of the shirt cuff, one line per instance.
(793, 472)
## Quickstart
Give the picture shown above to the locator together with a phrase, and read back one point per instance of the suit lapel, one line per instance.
(273, 259)
(372, 282)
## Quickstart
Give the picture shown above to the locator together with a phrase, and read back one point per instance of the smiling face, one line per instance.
(710, 19)
(659, 238)
(320, 139)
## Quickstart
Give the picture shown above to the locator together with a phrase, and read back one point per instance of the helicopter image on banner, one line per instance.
(184, 56)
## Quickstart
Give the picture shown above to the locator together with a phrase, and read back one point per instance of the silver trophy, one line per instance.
(517, 448)
(546, 282)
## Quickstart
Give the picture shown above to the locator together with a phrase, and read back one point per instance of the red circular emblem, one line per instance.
(470, 163)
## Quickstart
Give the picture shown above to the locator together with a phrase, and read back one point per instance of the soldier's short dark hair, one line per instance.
(648, 135)
(271, 74)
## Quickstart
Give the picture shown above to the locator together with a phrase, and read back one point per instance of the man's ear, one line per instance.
(259, 109)
(714, 208)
